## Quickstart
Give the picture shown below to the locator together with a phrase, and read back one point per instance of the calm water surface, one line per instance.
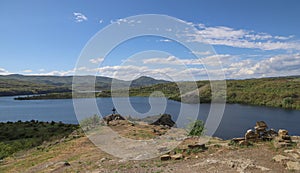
(235, 121)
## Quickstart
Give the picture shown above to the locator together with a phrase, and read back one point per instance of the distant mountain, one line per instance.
(16, 84)
(146, 81)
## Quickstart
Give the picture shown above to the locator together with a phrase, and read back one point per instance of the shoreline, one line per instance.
(69, 96)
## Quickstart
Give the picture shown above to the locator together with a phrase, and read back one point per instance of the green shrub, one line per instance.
(196, 128)
(90, 121)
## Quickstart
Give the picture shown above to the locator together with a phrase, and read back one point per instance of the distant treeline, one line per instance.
(281, 92)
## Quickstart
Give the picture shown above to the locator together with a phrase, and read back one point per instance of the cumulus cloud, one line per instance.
(96, 60)
(79, 17)
(277, 65)
(3, 71)
(240, 38)
(172, 60)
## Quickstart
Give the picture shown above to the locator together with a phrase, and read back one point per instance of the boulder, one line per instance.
(164, 120)
(251, 136)
(260, 129)
(270, 134)
(261, 126)
(282, 133)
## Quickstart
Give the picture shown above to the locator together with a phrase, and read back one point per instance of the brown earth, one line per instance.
(76, 153)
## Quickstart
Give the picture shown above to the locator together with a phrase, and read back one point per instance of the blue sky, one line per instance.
(252, 38)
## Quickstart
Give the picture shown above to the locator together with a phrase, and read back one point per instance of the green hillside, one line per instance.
(275, 92)
(11, 85)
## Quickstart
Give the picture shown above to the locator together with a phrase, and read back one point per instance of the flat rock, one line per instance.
(280, 158)
(290, 165)
(165, 157)
(177, 156)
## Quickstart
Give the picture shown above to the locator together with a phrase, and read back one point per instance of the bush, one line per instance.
(90, 121)
(196, 128)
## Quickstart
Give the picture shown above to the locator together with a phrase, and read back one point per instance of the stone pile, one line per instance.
(261, 133)
(113, 117)
(283, 139)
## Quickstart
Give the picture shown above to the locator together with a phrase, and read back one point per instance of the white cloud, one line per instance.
(96, 60)
(27, 71)
(222, 35)
(54, 73)
(165, 40)
(79, 17)
(277, 65)
(172, 60)
(202, 53)
(120, 21)
(4, 72)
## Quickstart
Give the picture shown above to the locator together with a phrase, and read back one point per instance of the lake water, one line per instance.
(236, 119)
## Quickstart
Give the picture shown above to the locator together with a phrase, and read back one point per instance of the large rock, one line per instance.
(261, 126)
(164, 120)
(282, 133)
(251, 136)
(269, 135)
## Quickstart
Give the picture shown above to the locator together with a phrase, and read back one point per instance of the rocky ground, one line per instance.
(76, 153)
